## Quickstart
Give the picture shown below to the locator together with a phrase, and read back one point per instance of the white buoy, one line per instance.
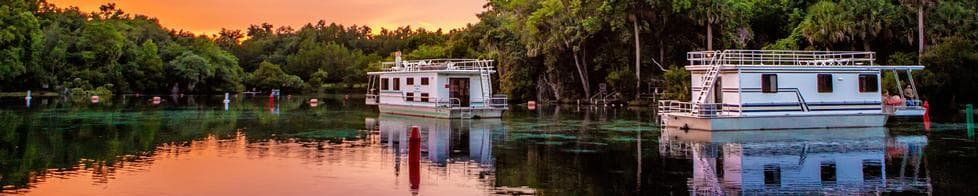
(95, 99)
(226, 100)
(313, 102)
(28, 95)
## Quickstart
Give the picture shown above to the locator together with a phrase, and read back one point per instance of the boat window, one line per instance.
(772, 174)
(384, 84)
(872, 170)
(397, 84)
(424, 97)
(410, 81)
(868, 83)
(828, 171)
(409, 97)
(825, 83)
(769, 83)
(424, 81)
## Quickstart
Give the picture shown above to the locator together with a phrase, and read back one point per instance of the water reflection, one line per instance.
(834, 161)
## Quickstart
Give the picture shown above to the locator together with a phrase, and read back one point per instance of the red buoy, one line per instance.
(95, 99)
(414, 158)
(926, 116)
(532, 105)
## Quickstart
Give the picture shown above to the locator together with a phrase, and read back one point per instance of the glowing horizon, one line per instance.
(207, 17)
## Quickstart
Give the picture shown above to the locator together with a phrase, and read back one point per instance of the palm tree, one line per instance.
(920, 5)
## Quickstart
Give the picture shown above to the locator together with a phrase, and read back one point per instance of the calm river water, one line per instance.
(255, 146)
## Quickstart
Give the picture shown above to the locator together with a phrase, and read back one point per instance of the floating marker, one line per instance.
(226, 100)
(157, 100)
(414, 157)
(926, 116)
(532, 105)
(28, 95)
(95, 99)
(313, 102)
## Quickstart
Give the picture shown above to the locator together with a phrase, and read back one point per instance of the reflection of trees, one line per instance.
(100, 137)
(589, 151)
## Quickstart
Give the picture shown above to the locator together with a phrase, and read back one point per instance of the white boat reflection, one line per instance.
(442, 140)
(816, 161)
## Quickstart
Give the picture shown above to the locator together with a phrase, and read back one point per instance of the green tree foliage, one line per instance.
(21, 40)
(271, 76)
(555, 50)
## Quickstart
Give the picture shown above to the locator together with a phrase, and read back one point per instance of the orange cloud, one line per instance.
(209, 16)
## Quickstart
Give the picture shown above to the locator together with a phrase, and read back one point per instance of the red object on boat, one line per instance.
(926, 116)
(414, 157)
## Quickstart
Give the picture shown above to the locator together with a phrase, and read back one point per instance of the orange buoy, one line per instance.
(95, 98)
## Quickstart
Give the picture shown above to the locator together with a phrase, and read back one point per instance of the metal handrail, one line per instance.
(439, 64)
(692, 109)
(498, 101)
(783, 57)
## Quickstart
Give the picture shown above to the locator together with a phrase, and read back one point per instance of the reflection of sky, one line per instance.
(237, 167)
(846, 161)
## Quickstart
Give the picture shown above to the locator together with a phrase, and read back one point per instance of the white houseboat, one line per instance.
(765, 89)
(441, 88)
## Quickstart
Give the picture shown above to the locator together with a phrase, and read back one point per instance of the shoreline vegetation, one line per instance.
(545, 50)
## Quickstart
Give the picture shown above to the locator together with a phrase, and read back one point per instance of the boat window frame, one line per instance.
(409, 96)
(409, 80)
(424, 81)
(864, 83)
(424, 97)
(385, 84)
(397, 84)
(824, 84)
(766, 80)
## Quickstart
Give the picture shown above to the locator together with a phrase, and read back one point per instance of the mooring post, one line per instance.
(970, 117)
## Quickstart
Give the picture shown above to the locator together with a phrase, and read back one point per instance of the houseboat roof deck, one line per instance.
(782, 58)
(436, 65)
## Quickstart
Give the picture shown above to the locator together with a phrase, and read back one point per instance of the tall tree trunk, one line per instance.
(867, 45)
(638, 59)
(709, 31)
(920, 31)
(582, 74)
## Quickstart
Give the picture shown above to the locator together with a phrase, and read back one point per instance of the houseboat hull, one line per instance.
(440, 112)
(815, 121)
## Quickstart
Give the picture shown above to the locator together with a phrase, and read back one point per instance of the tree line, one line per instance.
(558, 50)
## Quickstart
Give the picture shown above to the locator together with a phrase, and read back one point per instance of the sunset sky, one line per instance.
(209, 16)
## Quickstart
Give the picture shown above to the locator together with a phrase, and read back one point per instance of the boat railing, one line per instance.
(439, 64)
(692, 109)
(372, 99)
(499, 101)
(782, 57)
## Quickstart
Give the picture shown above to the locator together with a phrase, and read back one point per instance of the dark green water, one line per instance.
(254, 146)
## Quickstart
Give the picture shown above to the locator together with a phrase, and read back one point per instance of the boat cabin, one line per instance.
(444, 88)
(765, 83)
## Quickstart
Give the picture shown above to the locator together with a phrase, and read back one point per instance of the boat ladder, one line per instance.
(485, 81)
(709, 78)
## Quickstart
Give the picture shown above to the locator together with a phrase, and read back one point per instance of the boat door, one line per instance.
(458, 88)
